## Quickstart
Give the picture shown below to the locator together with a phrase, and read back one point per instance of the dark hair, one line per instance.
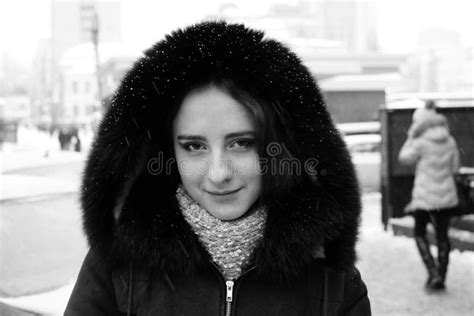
(273, 128)
(430, 104)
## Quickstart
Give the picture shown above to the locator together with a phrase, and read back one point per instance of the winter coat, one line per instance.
(137, 233)
(435, 153)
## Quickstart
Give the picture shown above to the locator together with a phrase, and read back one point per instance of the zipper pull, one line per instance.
(230, 287)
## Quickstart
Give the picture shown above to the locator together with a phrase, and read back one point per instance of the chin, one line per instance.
(226, 213)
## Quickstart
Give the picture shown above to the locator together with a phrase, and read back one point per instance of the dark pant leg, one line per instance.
(441, 224)
(421, 220)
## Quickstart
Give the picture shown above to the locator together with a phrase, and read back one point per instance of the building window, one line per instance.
(74, 87)
(87, 87)
(76, 110)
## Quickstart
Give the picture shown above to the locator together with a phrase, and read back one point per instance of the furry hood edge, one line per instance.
(130, 212)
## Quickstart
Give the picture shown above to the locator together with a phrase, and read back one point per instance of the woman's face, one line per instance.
(214, 139)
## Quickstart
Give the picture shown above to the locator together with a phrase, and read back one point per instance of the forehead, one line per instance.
(211, 111)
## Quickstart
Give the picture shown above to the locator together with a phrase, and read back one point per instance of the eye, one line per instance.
(192, 147)
(242, 143)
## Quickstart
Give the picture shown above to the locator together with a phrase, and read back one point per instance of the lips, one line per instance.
(223, 193)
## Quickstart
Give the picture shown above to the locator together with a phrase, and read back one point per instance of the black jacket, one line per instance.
(131, 217)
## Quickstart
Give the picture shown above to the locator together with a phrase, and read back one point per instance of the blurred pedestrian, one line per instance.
(75, 139)
(64, 138)
(188, 206)
(434, 197)
(77, 143)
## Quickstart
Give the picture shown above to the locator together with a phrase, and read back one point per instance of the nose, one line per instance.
(220, 169)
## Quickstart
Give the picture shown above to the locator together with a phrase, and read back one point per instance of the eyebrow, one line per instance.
(231, 135)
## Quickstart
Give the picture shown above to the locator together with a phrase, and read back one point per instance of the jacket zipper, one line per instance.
(230, 288)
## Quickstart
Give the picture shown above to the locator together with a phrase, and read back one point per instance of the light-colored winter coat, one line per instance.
(434, 151)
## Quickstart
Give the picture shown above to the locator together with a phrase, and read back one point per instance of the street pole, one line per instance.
(95, 40)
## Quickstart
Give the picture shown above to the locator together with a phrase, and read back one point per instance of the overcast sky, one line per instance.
(24, 22)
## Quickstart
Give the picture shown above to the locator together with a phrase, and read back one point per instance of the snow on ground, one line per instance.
(51, 303)
(30, 138)
(395, 276)
(36, 148)
(15, 186)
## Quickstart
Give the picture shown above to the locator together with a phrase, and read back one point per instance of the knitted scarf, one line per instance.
(230, 243)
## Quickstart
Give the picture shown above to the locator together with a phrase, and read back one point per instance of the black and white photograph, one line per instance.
(224, 157)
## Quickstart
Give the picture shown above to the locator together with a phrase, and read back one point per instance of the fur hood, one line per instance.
(130, 212)
(426, 119)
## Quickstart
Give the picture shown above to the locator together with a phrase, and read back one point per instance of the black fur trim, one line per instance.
(130, 211)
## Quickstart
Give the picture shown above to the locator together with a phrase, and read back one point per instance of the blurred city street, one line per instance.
(374, 62)
(40, 220)
(40, 232)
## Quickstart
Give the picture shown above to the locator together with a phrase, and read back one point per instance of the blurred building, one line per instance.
(113, 71)
(42, 83)
(53, 83)
(78, 84)
(13, 75)
(324, 65)
(72, 22)
(350, 22)
(78, 89)
(441, 63)
(337, 41)
(15, 107)
(14, 100)
(331, 37)
(357, 98)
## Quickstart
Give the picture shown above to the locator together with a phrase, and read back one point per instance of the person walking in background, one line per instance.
(75, 140)
(434, 199)
(64, 138)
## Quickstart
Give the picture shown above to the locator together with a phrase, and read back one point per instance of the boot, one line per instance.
(443, 260)
(433, 275)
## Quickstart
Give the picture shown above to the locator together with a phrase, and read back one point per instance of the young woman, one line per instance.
(218, 185)
(434, 197)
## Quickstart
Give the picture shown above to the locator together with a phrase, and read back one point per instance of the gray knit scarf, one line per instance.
(230, 243)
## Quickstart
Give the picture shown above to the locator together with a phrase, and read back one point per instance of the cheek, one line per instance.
(248, 167)
(191, 169)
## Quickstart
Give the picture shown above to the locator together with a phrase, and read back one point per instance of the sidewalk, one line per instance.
(43, 251)
(50, 303)
(14, 160)
(394, 274)
(462, 238)
(15, 186)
